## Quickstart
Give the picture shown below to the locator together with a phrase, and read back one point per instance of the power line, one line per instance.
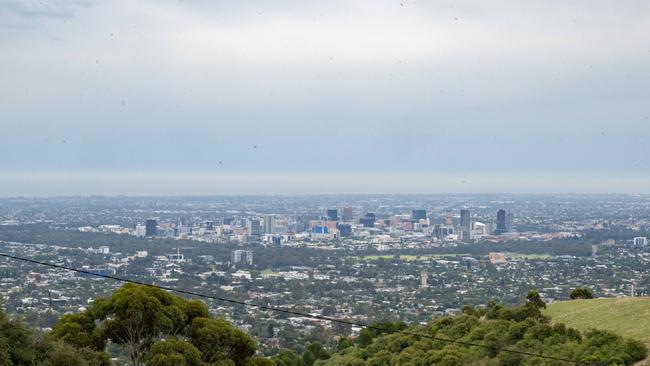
(280, 310)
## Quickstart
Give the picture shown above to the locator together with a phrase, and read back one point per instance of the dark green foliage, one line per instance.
(218, 340)
(636, 350)
(533, 299)
(5, 356)
(158, 329)
(581, 293)
(173, 352)
(18, 342)
(259, 361)
(287, 358)
(368, 334)
(314, 352)
(63, 354)
(343, 343)
(133, 317)
(19, 346)
(500, 328)
(79, 330)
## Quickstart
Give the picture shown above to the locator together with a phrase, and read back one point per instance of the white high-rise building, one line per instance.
(424, 276)
(242, 256)
(641, 241)
(480, 228)
(140, 231)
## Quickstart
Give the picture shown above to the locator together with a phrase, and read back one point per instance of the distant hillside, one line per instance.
(627, 316)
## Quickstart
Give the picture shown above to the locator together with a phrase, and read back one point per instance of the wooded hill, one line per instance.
(148, 326)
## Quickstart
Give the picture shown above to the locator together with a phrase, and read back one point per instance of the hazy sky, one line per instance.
(147, 97)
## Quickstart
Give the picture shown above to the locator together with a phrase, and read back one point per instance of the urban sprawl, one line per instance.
(360, 258)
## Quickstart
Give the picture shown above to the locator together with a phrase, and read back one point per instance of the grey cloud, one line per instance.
(48, 8)
(335, 86)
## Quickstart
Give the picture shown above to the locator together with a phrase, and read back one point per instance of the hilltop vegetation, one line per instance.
(627, 316)
(142, 325)
(147, 325)
(21, 346)
(523, 329)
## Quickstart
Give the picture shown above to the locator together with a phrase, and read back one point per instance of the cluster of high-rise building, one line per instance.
(329, 225)
(467, 228)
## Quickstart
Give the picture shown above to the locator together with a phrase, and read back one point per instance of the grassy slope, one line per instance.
(629, 317)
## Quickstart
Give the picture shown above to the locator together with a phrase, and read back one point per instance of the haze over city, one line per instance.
(173, 97)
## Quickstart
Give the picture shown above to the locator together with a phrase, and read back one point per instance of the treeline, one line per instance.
(579, 248)
(45, 234)
(22, 346)
(142, 325)
(146, 325)
(621, 234)
(573, 247)
(264, 257)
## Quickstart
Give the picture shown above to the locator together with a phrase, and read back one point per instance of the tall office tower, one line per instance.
(255, 227)
(277, 241)
(510, 219)
(345, 230)
(449, 218)
(242, 256)
(268, 224)
(501, 223)
(347, 214)
(437, 231)
(368, 220)
(151, 228)
(417, 215)
(442, 231)
(302, 223)
(332, 214)
(465, 225)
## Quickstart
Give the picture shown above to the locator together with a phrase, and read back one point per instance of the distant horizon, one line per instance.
(192, 184)
(329, 195)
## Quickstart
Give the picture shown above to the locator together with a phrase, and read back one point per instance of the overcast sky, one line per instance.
(211, 97)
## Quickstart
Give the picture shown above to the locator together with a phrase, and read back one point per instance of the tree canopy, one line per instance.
(156, 328)
(581, 293)
(21, 346)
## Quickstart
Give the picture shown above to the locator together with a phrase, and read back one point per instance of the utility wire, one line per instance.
(280, 310)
